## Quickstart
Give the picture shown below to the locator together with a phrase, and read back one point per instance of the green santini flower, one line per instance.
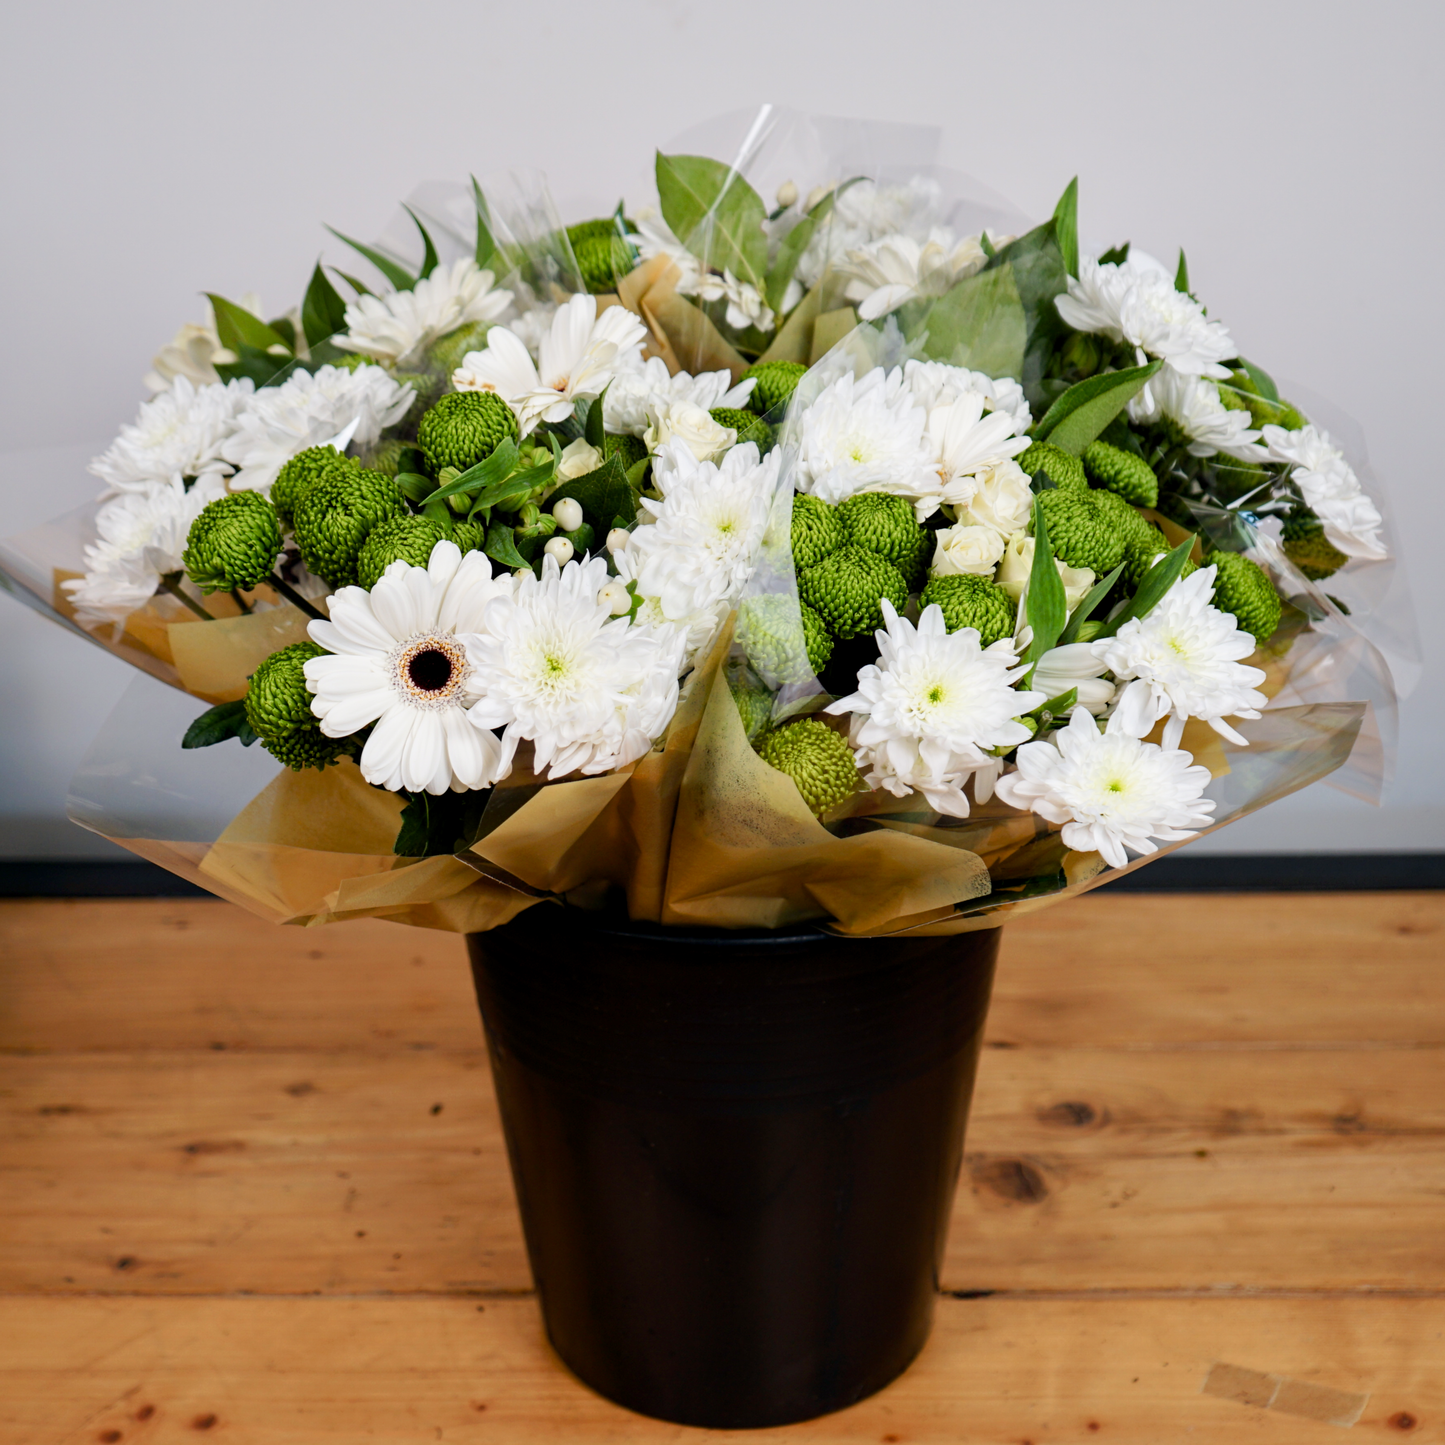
(1064, 468)
(233, 544)
(336, 516)
(1122, 473)
(1305, 544)
(777, 381)
(1243, 588)
(846, 588)
(297, 477)
(969, 601)
(885, 525)
(816, 530)
(768, 634)
(464, 428)
(278, 707)
(818, 760)
(397, 539)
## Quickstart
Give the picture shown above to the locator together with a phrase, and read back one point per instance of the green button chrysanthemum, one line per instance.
(816, 530)
(969, 601)
(337, 515)
(234, 543)
(1242, 588)
(603, 256)
(817, 759)
(446, 355)
(628, 449)
(301, 473)
(1063, 468)
(847, 587)
(1122, 473)
(464, 428)
(278, 708)
(776, 383)
(398, 539)
(768, 632)
(885, 525)
(1305, 544)
(749, 428)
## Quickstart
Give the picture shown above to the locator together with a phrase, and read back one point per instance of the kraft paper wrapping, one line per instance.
(679, 332)
(214, 660)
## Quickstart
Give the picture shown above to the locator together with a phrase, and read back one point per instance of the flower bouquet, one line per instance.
(807, 581)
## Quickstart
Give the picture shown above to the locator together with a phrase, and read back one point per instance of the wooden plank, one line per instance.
(295, 1172)
(1125, 970)
(310, 1372)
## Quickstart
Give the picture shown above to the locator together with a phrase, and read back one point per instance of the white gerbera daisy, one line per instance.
(864, 435)
(396, 327)
(590, 692)
(1330, 489)
(580, 354)
(1183, 660)
(936, 383)
(402, 659)
(178, 435)
(1192, 403)
(705, 535)
(309, 410)
(1133, 302)
(635, 389)
(935, 708)
(1109, 790)
(139, 537)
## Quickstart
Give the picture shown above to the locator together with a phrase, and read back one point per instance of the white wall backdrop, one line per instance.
(154, 150)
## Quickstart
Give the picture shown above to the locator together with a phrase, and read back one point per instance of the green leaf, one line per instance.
(715, 213)
(1085, 609)
(225, 720)
(446, 823)
(323, 312)
(237, 328)
(603, 494)
(1088, 406)
(285, 328)
(1181, 276)
(511, 492)
(415, 487)
(399, 276)
(438, 512)
(261, 367)
(1157, 581)
(986, 246)
(1261, 378)
(592, 431)
(1047, 605)
(486, 246)
(501, 546)
(360, 287)
(1039, 275)
(1066, 226)
(793, 245)
(635, 473)
(1115, 255)
(486, 473)
(980, 323)
(429, 252)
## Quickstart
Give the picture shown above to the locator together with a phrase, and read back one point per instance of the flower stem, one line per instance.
(240, 601)
(172, 583)
(294, 597)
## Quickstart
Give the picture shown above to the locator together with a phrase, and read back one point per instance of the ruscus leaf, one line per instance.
(399, 276)
(1087, 407)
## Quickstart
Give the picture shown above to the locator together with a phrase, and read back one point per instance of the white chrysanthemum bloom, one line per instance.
(936, 383)
(967, 444)
(588, 690)
(1330, 489)
(866, 212)
(1183, 660)
(1018, 563)
(705, 535)
(400, 659)
(309, 410)
(934, 709)
(1074, 665)
(745, 304)
(579, 355)
(966, 548)
(191, 352)
(699, 628)
(1192, 403)
(647, 383)
(1109, 790)
(396, 327)
(864, 435)
(883, 274)
(139, 537)
(1133, 302)
(688, 423)
(654, 238)
(178, 435)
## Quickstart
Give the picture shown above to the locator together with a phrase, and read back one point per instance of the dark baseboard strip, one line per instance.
(1179, 873)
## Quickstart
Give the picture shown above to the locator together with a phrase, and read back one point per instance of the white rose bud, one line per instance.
(1003, 499)
(686, 422)
(616, 598)
(561, 549)
(617, 539)
(967, 548)
(818, 194)
(578, 458)
(1018, 562)
(568, 513)
(787, 194)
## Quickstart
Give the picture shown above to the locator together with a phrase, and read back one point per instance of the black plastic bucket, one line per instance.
(735, 1153)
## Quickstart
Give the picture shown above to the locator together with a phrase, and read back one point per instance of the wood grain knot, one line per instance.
(213, 1146)
(204, 1422)
(1402, 1420)
(1071, 1114)
(300, 1090)
(108, 1437)
(1014, 1179)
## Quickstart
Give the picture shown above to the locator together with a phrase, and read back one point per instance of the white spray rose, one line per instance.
(967, 548)
(1003, 500)
(688, 423)
(578, 458)
(1018, 562)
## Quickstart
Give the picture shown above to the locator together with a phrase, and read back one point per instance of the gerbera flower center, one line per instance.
(429, 670)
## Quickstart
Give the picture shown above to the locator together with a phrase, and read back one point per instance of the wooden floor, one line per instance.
(254, 1187)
